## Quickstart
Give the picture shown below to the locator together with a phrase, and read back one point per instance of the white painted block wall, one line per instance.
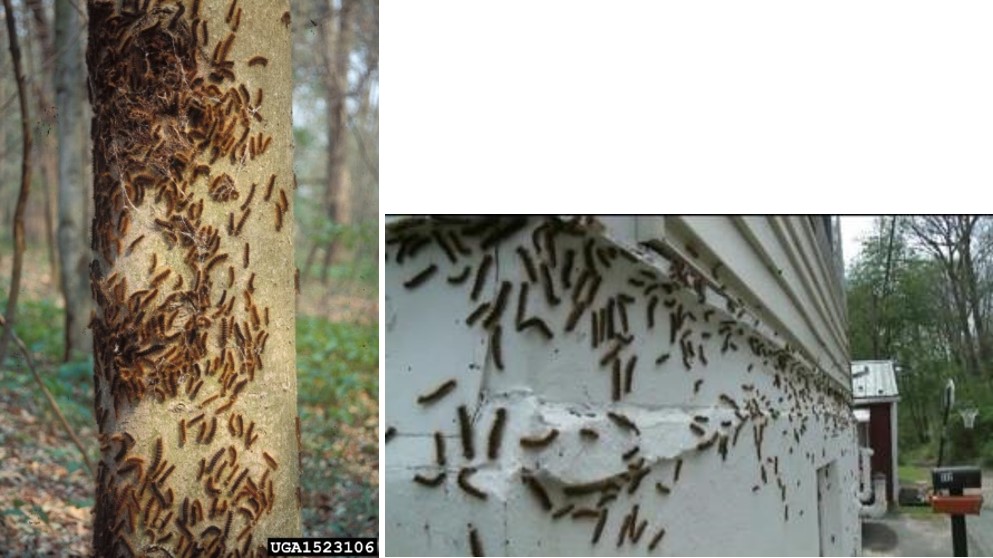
(798, 499)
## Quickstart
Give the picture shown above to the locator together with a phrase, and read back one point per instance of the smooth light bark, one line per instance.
(46, 121)
(73, 181)
(194, 346)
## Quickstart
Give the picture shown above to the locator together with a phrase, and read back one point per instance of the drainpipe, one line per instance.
(877, 507)
(865, 461)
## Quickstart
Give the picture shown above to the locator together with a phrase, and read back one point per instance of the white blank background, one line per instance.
(669, 107)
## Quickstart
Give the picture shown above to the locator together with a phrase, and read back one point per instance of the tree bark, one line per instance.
(73, 180)
(194, 351)
(22, 197)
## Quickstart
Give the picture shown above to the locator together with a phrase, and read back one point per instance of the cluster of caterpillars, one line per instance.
(565, 263)
(185, 331)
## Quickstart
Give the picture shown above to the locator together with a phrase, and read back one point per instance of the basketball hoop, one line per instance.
(969, 417)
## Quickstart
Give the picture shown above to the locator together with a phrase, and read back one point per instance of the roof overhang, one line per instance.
(870, 400)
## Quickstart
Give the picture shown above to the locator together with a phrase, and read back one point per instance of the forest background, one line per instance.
(920, 292)
(47, 490)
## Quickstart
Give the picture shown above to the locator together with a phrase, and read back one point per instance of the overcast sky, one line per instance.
(853, 230)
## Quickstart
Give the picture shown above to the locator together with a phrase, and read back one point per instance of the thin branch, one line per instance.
(22, 198)
(51, 400)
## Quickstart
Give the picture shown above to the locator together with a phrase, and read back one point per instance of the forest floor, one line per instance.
(46, 491)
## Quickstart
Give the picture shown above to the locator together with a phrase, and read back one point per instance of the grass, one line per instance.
(912, 474)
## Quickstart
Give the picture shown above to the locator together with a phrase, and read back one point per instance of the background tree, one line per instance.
(73, 181)
(343, 36)
(193, 340)
(41, 56)
(919, 294)
(22, 198)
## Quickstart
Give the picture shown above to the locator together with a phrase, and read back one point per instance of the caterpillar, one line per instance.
(477, 313)
(237, 481)
(637, 477)
(630, 453)
(537, 323)
(611, 354)
(134, 243)
(563, 511)
(213, 460)
(539, 442)
(461, 277)
(495, 343)
(589, 433)
(528, 263)
(590, 487)
(550, 296)
(655, 540)
(496, 433)
(439, 449)
(522, 301)
(481, 272)
(430, 481)
(156, 454)
(258, 61)
(585, 512)
(606, 498)
(439, 392)
(577, 311)
(623, 422)
(498, 307)
(639, 531)
(538, 491)
(598, 530)
(440, 241)
(272, 462)
(625, 525)
(420, 277)
(570, 254)
(629, 373)
(615, 381)
(474, 544)
(466, 429)
(269, 186)
(463, 482)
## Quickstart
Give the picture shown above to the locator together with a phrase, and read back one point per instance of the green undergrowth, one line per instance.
(337, 367)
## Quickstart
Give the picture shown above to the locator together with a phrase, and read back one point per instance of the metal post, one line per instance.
(959, 544)
(944, 433)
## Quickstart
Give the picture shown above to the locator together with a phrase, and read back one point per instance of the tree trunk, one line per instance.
(967, 226)
(22, 197)
(72, 179)
(47, 122)
(194, 351)
(338, 43)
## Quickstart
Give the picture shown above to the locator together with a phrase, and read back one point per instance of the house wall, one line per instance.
(747, 425)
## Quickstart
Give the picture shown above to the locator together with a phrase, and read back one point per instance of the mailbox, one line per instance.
(954, 479)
